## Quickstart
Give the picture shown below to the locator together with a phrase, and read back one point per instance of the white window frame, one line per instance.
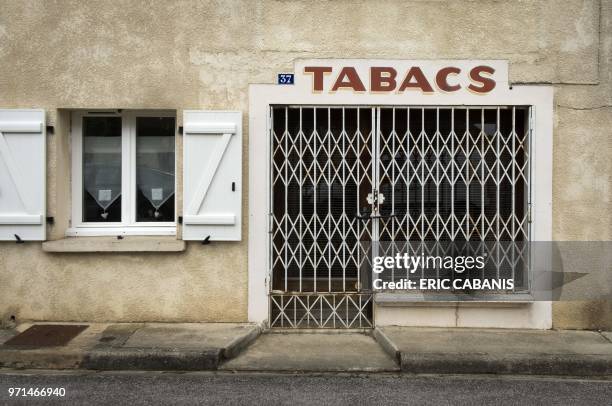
(128, 224)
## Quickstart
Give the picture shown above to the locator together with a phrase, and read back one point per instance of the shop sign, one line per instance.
(426, 77)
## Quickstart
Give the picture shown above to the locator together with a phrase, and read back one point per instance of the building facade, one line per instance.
(165, 172)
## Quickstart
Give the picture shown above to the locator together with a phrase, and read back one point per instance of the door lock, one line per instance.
(376, 198)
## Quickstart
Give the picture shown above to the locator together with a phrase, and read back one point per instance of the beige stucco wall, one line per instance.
(59, 55)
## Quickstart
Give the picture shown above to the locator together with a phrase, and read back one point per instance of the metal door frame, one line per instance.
(375, 226)
(361, 301)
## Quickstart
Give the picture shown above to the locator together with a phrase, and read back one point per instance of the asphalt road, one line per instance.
(226, 388)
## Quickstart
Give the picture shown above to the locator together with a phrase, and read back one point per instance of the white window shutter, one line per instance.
(212, 175)
(22, 174)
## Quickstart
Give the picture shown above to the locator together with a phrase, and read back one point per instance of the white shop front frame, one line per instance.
(263, 96)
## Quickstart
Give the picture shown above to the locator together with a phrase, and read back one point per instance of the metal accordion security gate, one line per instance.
(343, 178)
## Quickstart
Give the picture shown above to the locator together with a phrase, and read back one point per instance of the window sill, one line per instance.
(112, 244)
(446, 300)
(114, 231)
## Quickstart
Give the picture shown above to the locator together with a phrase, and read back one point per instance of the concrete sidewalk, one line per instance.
(134, 346)
(314, 351)
(240, 347)
(498, 351)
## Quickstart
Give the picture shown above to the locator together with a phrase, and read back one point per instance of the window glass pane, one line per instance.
(155, 168)
(102, 169)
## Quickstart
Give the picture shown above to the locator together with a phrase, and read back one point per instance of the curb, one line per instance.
(160, 360)
(520, 364)
(40, 359)
(167, 359)
(387, 345)
(240, 343)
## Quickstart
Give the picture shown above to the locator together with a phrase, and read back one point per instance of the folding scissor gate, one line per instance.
(343, 178)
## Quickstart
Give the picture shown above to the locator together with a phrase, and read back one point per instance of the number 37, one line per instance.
(285, 79)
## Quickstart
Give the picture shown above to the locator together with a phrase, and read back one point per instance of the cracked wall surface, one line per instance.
(188, 54)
